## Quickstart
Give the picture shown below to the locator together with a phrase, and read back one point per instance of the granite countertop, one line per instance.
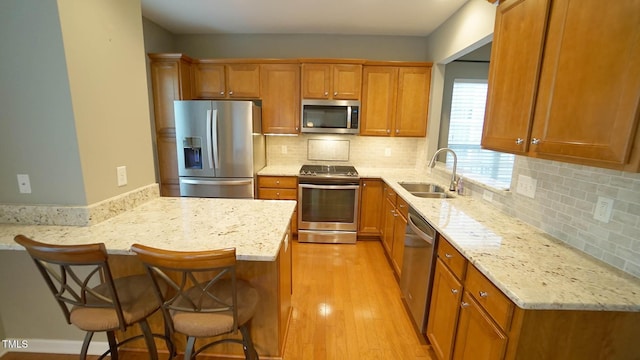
(255, 228)
(533, 269)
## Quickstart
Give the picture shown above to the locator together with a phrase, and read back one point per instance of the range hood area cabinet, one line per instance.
(564, 82)
(324, 80)
(395, 99)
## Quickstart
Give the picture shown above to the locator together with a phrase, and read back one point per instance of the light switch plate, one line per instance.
(122, 175)
(527, 186)
(24, 184)
(603, 209)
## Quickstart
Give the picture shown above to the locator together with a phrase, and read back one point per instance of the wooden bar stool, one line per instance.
(91, 299)
(205, 298)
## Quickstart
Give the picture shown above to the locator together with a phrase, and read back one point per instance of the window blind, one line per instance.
(468, 102)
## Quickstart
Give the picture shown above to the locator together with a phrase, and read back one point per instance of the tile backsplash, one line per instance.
(564, 204)
(364, 151)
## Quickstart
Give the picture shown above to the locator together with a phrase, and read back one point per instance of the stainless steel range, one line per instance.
(328, 202)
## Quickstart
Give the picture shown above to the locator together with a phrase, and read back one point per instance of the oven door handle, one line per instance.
(330, 187)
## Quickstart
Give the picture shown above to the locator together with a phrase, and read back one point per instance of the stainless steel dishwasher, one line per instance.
(417, 268)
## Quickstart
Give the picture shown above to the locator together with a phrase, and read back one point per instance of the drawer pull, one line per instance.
(483, 294)
(464, 305)
(278, 182)
(454, 291)
(448, 256)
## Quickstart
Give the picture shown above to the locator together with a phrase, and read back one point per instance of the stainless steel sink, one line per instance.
(425, 190)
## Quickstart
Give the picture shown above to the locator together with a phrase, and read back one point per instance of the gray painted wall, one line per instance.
(38, 134)
(74, 100)
(405, 48)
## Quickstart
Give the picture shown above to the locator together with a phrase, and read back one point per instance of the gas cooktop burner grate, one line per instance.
(335, 171)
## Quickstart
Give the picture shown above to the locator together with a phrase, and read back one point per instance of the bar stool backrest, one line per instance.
(193, 278)
(72, 271)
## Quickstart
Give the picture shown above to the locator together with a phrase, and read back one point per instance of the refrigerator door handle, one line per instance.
(209, 141)
(216, 182)
(214, 128)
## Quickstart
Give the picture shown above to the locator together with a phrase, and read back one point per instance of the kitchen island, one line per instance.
(258, 229)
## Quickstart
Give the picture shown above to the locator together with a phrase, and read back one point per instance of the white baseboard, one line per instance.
(55, 347)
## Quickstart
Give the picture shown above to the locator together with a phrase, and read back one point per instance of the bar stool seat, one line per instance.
(205, 324)
(205, 298)
(137, 301)
(91, 299)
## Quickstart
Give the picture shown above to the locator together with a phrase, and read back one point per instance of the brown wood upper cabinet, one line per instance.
(280, 89)
(331, 81)
(564, 82)
(215, 80)
(395, 100)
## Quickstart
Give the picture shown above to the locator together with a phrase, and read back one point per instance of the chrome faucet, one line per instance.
(432, 164)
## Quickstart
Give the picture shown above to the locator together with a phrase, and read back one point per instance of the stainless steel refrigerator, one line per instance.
(220, 147)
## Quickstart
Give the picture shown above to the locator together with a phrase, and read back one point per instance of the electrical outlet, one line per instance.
(24, 184)
(283, 149)
(527, 186)
(603, 209)
(122, 175)
(387, 152)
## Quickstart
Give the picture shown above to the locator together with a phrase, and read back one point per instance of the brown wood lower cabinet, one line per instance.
(394, 221)
(478, 337)
(370, 207)
(280, 188)
(486, 325)
(443, 318)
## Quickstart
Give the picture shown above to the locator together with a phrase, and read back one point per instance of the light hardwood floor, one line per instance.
(346, 306)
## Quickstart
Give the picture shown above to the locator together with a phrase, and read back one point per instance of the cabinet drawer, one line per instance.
(402, 207)
(390, 195)
(489, 297)
(452, 257)
(286, 182)
(277, 194)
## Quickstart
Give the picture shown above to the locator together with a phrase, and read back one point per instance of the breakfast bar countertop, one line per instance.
(255, 228)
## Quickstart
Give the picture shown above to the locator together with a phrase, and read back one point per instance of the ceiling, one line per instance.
(345, 17)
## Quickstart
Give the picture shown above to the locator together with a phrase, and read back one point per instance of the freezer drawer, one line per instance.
(217, 187)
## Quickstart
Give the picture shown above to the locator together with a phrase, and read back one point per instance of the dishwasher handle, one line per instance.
(420, 232)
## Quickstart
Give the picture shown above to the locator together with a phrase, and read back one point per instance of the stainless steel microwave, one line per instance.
(330, 116)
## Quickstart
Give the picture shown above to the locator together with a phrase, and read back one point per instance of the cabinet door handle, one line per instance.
(335, 93)
(519, 141)
(483, 294)
(388, 131)
(464, 305)
(397, 131)
(230, 92)
(364, 185)
(535, 141)
(454, 291)
(448, 256)
(221, 92)
(326, 93)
